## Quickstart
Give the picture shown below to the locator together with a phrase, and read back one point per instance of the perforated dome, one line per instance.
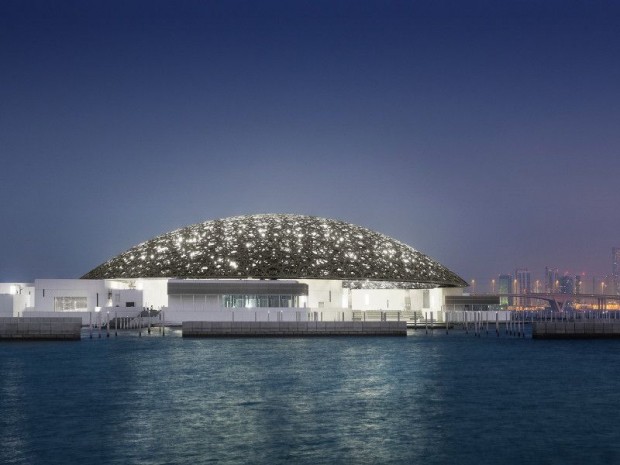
(276, 246)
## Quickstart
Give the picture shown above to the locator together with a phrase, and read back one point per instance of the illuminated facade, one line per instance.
(268, 261)
(524, 286)
(281, 247)
(615, 269)
(505, 286)
(552, 278)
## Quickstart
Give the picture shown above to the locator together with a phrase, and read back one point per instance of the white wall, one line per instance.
(395, 299)
(6, 304)
(15, 288)
(101, 293)
(47, 289)
(323, 293)
(15, 297)
(326, 295)
(193, 303)
(154, 291)
(379, 299)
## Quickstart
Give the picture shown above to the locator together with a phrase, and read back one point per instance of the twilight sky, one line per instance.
(485, 134)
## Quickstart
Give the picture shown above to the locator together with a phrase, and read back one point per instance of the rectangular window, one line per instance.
(285, 301)
(426, 299)
(68, 304)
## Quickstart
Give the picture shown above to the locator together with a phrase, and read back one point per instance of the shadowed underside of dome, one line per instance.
(278, 246)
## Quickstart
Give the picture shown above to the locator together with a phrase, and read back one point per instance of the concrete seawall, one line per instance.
(32, 328)
(594, 329)
(293, 328)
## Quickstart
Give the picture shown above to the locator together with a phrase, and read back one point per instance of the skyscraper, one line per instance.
(615, 269)
(551, 278)
(504, 286)
(567, 285)
(524, 285)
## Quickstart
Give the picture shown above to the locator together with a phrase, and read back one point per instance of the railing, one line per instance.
(387, 315)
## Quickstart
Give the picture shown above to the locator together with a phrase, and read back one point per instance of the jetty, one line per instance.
(33, 328)
(583, 329)
(293, 328)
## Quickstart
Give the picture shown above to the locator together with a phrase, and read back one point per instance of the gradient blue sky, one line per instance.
(483, 133)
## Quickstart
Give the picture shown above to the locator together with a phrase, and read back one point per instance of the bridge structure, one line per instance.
(557, 301)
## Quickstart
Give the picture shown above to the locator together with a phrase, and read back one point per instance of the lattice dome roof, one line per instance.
(278, 246)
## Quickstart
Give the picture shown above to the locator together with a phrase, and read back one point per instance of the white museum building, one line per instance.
(254, 268)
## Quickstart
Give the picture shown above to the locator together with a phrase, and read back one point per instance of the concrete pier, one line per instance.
(589, 329)
(31, 328)
(293, 328)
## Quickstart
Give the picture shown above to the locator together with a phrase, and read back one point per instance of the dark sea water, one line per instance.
(427, 399)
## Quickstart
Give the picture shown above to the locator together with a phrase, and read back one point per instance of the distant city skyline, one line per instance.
(553, 280)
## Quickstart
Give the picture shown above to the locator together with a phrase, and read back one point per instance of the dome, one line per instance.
(278, 246)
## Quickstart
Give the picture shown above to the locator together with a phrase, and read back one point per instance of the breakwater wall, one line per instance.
(293, 328)
(590, 329)
(67, 328)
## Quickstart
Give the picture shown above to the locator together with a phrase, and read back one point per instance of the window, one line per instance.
(67, 304)
(426, 299)
(260, 301)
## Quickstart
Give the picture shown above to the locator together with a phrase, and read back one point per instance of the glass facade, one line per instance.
(264, 301)
(66, 304)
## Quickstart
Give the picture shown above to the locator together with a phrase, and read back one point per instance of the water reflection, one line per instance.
(326, 400)
(13, 436)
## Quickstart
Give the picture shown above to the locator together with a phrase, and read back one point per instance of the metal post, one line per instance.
(497, 323)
